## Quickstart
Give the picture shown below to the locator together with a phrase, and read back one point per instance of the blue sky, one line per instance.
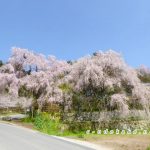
(70, 29)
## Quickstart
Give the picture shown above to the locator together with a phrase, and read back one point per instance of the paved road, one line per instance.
(13, 117)
(18, 138)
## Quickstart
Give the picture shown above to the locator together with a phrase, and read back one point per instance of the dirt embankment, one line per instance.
(133, 142)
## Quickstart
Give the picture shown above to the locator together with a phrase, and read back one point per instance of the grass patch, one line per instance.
(47, 124)
(148, 148)
(52, 125)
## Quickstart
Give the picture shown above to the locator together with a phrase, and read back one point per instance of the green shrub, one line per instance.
(47, 123)
(148, 148)
(28, 120)
(80, 135)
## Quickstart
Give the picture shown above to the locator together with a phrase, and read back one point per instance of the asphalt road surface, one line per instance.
(18, 138)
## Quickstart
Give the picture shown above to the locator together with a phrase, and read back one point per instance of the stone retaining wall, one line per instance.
(135, 119)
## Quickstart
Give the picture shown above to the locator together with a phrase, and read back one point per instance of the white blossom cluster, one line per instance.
(43, 77)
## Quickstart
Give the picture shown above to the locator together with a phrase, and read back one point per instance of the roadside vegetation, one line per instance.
(69, 97)
(148, 148)
(53, 126)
